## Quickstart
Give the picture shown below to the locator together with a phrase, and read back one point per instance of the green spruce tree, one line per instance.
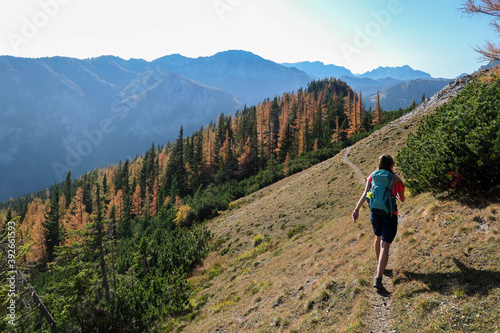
(67, 188)
(51, 225)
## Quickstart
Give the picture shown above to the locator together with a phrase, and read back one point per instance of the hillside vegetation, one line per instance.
(458, 147)
(99, 248)
(288, 258)
(128, 250)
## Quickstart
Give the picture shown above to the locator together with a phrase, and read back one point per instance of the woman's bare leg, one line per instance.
(383, 258)
(376, 246)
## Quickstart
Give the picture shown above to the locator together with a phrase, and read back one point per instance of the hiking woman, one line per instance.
(385, 225)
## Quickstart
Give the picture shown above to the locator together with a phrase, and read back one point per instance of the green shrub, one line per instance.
(309, 159)
(458, 146)
(257, 240)
(298, 229)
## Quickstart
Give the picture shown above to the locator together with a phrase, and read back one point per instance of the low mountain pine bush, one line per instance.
(457, 147)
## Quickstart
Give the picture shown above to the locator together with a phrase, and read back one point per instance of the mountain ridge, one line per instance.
(319, 70)
(383, 79)
(404, 73)
(43, 98)
(403, 94)
(74, 100)
(208, 70)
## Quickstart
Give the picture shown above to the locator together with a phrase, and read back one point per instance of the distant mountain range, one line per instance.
(60, 113)
(403, 94)
(370, 86)
(243, 74)
(319, 70)
(403, 73)
(398, 86)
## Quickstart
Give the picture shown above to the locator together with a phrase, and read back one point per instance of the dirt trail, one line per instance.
(380, 319)
(353, 166)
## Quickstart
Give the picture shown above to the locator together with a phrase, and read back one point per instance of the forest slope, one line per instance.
(289, 258)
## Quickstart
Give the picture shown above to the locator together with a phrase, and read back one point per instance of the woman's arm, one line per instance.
(355, 214)
(400, 189)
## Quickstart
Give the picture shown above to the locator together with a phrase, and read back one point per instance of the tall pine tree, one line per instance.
(51, 225)
(67, 189)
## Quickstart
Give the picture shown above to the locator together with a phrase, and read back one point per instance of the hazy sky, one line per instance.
(429, 35)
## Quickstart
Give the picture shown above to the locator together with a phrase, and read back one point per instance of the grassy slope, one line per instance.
(445, 259)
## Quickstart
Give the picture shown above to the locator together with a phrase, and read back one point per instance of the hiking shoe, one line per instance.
(378, 283)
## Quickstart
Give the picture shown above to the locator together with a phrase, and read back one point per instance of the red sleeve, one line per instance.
(370, 178)
(398, 187)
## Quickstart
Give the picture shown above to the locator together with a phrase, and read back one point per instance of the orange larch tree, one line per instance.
(33, 230)
(137, 201)
(119, 201)
(153, 208)
(208, 149)
(78, 217)
(360, 114)
(246, 161)
(377, 112)
(350, 114)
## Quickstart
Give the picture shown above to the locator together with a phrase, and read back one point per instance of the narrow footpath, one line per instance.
(353, 166)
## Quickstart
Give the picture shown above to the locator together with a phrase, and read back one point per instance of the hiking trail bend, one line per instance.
(353, 166)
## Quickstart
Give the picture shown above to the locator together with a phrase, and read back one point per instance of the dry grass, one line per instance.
(312, 267)
(449, 267)
(309, 270)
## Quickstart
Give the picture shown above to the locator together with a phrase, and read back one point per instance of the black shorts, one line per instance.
(385, 226)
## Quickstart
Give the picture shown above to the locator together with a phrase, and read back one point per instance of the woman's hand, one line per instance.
(355, 215)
